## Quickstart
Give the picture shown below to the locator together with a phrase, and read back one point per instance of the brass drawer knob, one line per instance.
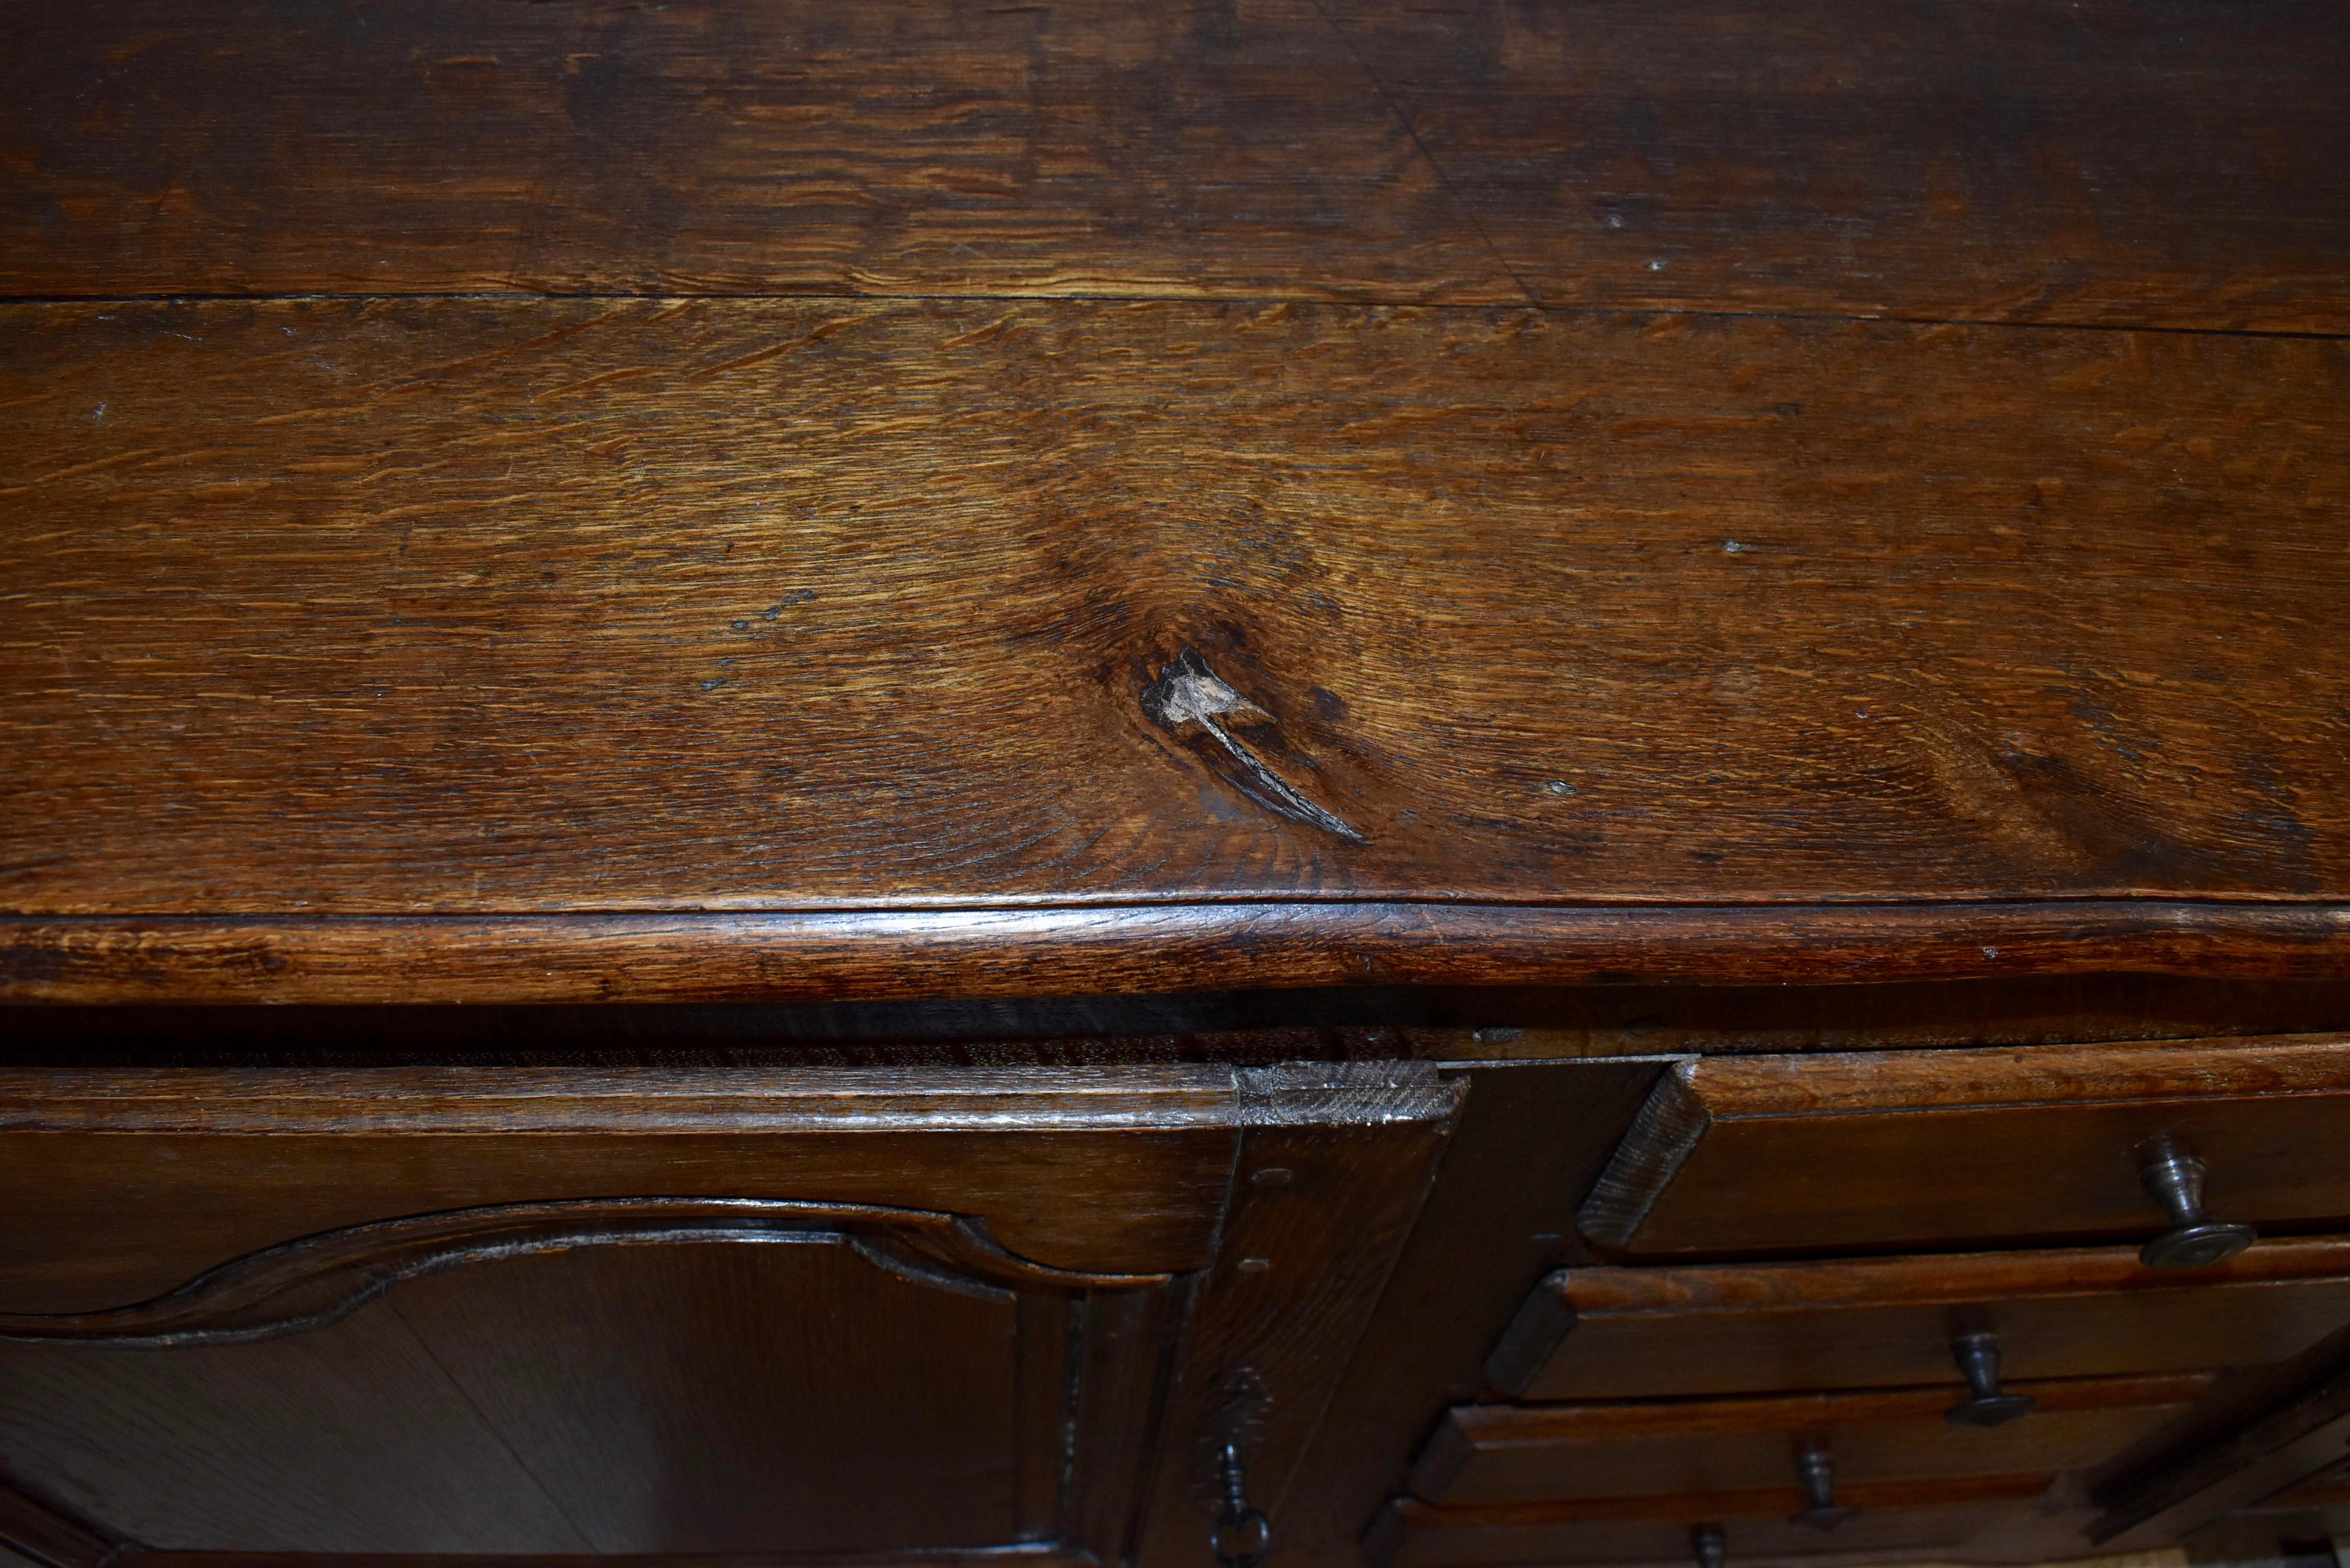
(1985, 1405)
(2195, 1240)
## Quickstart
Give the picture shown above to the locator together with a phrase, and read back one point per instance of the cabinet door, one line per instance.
(811, 1313)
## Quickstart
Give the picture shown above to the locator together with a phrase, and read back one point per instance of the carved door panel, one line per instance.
(743, 1355)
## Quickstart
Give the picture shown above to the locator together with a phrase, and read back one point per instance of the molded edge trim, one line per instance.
(319, 1280)
(869, 954)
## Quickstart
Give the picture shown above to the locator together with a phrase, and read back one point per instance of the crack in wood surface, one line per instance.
(1192, 702)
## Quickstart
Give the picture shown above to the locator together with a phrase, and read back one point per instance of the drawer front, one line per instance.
(1931, 1149)
(1621, 1334)
(1502, 1454)
(1948, 1520)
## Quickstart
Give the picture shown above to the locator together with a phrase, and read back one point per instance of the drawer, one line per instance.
(1626, 1333)
(1930, 1149)
(1517, 1453)
(1947, 1520)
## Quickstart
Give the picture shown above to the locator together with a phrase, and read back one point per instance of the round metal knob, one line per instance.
(1709, 1547)
(1815, 1470)
(1985, 1405)
(2195, 1240)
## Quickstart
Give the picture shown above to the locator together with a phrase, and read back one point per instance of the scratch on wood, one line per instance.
(1189, 697)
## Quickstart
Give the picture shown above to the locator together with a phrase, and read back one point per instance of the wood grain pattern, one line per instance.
(151, 1178)
(1531, 1137)
(151, 1170)
(445, 666)
(34, 1533)
(2180, 164)
(1888, 1322)
(320, 1279)
(2253, 1466)
(1322, 1208)
(1973, 1519)
(1971, 1148)
(464, 145)
(1013, 954)
(1488, 1454)
(700, 1397)
(2177, 165)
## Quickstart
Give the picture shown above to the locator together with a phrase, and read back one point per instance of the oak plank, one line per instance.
(832, 610)
(2178, 164)
(2183, 163)
(456, 146)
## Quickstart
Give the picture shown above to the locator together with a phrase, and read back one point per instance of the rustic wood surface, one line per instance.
(689, 1397)
(158, 1176)
(1020, 953)
(1655, 1333)
(1531, 1138)
(1968, 1519)
(354, 609)
(1972, 1149)
(2180, 164)
(1316, 493)
(34, 1533)
(1321, 1210)
(1501, 1453)
(148, 1180)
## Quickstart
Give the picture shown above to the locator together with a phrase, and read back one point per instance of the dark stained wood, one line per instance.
(1956, 1148)
(320, 1279)
(2262, 1433)
(1038, 1557)
(1116, 1421)
(980, 953)
(1614, 1333)
(1325, 1192)
(2077, 655)
(151, 1178)
(2180, 163)
(706, 1375)
(1531, 1138)
(1964, 1519)
(32, 1531)
(1501, 1453)
(696, 1398)
(464, 145)
(1355, 1022)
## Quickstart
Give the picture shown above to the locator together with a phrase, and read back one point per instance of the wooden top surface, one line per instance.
(427, 645)
(2123, 162)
